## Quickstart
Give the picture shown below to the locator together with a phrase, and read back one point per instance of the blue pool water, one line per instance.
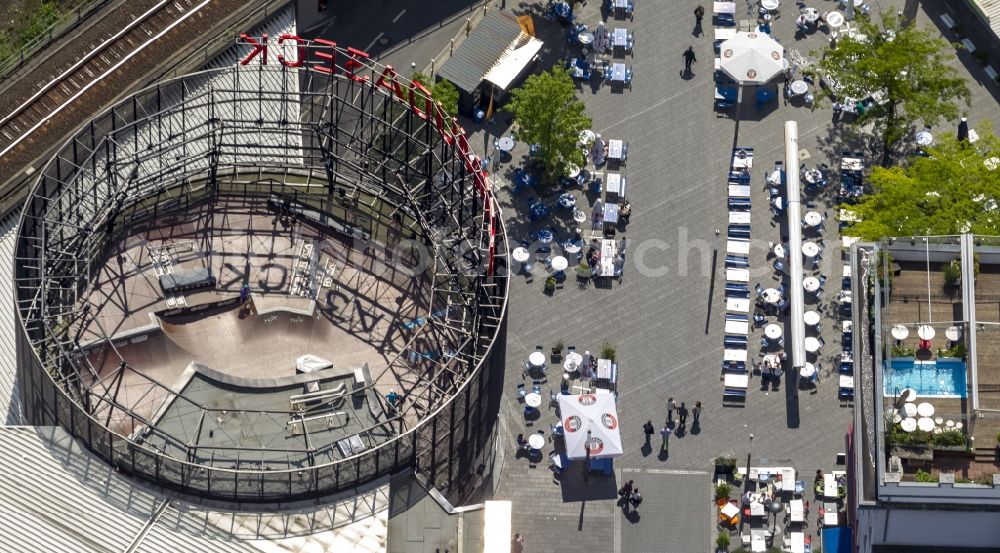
(943, 377)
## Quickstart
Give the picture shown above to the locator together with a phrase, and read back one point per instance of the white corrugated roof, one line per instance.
(54, 493)
(10, 400)
(991, 10)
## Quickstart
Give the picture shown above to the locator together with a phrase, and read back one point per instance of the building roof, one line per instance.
(991, 12)
(56, 496)
(481, 50)
(10, 397)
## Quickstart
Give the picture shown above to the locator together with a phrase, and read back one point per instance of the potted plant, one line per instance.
(922, 476)
(550, 284)
(608, 351)
(557, 349)
(952, 273)
(722, 491)
(722, 542)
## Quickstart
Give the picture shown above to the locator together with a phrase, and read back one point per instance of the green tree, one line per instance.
(549, 114)
(910, 66)
(950, 192)
(442, 91)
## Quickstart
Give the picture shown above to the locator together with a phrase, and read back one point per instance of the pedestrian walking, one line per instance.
(670, 409)
(665, 432)
(517, 544)
(627, 489)
(648, 430)
(689, 59)
(682, 414)
(699, 13)
(696, 412)
(635, 499)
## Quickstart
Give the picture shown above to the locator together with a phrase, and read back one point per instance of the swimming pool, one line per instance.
(944, 377)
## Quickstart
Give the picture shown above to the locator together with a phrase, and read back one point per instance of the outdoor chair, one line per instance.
(737, 262)
(759, 319)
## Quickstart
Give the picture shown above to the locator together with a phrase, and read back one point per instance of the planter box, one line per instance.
(952, 451)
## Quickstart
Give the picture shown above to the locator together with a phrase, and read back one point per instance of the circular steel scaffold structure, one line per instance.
(351, 152)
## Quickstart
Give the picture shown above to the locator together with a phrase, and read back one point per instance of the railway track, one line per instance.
(100, 61)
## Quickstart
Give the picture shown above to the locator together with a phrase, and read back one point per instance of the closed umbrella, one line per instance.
(752, 58)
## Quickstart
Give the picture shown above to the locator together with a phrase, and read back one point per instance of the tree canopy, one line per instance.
(442, 91)
(950, 192)
(549, 114)
(909, 65)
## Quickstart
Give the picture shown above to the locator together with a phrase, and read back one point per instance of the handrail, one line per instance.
(68, 22)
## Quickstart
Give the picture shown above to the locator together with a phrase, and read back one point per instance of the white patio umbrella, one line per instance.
(752, 58)
(594, 416)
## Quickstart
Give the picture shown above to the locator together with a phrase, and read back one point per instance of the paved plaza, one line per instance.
(666, 319)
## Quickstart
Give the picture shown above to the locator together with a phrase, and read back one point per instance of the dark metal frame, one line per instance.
(363, 153)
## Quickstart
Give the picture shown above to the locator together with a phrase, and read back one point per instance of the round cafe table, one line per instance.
(924, 138)
(586, 38)
(925, 409)
(812, 219)
(505, 144)
(908, 394)
(772, 331)
(910, 409)
(899, 332)
(925, 424)
(799, 87)
(771, 295)
(537, 359)
(567, 200)
(812, 344)
(810, 284)
(521, 255)
(574, 171)
(770, 5)
(533, 400)
(587, 137)
(811, 318)
(834, 19)
(572, 361)
(810, 249)
(559, 263)
(896, 417)
(807, 371)
(572, 246)
(536, 440)
(779, 251)
(909, 424)
(812, 14)
(926, 332)
(953, 333)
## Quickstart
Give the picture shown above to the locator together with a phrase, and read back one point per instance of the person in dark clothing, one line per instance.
(696, 411)
(648, 430)
(682, 414)
(689, 59)
(699, 13)
(635, 499)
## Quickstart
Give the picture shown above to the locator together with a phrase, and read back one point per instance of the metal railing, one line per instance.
(66, 23)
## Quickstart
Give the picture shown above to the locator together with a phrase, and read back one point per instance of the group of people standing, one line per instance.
(668, 426)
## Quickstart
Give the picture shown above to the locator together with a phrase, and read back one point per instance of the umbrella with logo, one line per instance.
(752, 58)
(590, 426)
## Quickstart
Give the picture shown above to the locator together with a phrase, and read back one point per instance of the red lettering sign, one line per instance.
(425, 114)
(391, 84)
(258, 48)
(353, 63)
(331, 57)
(300, 55)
